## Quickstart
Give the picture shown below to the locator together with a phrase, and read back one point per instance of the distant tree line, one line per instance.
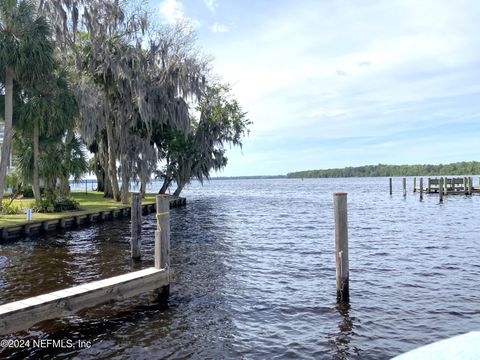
(458, 168)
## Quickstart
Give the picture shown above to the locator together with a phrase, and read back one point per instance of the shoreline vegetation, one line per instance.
(92, 202)
(382, 170)
(105, 77)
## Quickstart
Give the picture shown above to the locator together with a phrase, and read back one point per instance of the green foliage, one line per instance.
(132, 101)
(458, 168)
(12, 180)
(53, 203)
(66, 204)
(195, 154)
(43, 206)
(27, 192)
(10, 208)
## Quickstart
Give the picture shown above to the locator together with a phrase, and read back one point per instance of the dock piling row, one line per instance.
(442, 186)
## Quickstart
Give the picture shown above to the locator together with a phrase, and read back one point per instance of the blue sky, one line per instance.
(344, 83)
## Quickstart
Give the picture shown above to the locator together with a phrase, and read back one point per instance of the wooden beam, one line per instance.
(136, 226)
(341, 245)
(20, 315)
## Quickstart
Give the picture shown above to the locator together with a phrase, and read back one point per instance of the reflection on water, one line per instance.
(340, 342)
(255, 275)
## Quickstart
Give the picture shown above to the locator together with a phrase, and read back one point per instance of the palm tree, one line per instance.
(26, 54)
(49, 108)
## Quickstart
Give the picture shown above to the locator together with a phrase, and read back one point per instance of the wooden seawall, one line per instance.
(22, 314)
(38, 227)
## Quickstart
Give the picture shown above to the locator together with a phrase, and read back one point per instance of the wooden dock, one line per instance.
(450, 186)
(39, 227)
(22, 314)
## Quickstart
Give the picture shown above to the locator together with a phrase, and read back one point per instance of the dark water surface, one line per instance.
(255, 275)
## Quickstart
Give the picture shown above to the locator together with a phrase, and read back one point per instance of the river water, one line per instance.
(255, 275)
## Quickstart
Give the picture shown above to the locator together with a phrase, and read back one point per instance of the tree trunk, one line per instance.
(64, 187)
(178, 190)
(125, 183)
(166, 184)
(112, 166)
(36, 159)
(143, 187)
(7, 131)
(107, 192)
(100, 175)
(50, 187)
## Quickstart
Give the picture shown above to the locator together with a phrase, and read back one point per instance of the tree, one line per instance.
(49, 109)
(221, 122)
(25, 55)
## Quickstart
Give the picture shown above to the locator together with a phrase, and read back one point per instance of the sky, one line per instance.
(335, 83)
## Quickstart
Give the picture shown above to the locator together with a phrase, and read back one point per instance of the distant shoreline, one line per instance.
(382, 170)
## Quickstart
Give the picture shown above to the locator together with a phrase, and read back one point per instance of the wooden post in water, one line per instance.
(421, 189)
(440, 189)
(404, 187)
(465, 185)
(136, 225)
(162, 241)
(390, 186)
(470, 185)
(429, 185)
(341, 245)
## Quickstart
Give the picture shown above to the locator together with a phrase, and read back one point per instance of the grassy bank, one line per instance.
(89, 203)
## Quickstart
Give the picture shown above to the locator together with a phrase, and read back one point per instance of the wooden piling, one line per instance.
(391, 186)
(341, 245)
(421, 189)
(162, 242)
(414, 184)
(429, 185)
(404, 187)
(470, 185)
(440, 189)
(465, 185)
(136, 221)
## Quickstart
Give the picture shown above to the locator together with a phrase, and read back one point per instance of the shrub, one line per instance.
(66, 204)
(10, 208)
(42, 206)
(26, 191)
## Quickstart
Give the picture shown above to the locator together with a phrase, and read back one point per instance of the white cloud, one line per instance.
(403, 61)
(173, 12)
(210, 4)
(218, 28)
(325, 112)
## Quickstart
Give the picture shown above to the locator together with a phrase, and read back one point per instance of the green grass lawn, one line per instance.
(89, 203)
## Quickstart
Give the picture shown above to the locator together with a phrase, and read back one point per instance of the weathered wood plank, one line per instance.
(136, 226)
(162, 235)
(20, 315)
(341, 245)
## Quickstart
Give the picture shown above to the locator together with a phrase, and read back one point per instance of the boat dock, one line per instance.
(449, 185)
(22, 314)
(442, 186)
